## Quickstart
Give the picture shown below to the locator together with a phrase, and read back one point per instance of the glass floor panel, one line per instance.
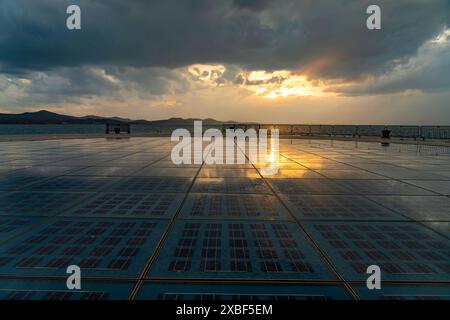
(230, 206)
(152, 291)
(383, 187)
(123, 212)
(38, 203)
(10, 226)
(308, 186)
(106, 171)
(76, 183)
(426, 208)
(337, 207)
(10, 182)
(230, 185)
(128, 205)
(239, 249)
(35, 289)
(404, 251)
(443, 227)
(153, 184)
(103, 248)
(441, 187)
(405, 292)
(167, 172)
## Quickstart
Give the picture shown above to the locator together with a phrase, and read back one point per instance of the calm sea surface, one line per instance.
(31, 129)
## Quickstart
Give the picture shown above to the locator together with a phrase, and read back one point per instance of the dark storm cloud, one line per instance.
(428, 71)
(320, 38)
(122, 32)
(252, 4)
(68, 81)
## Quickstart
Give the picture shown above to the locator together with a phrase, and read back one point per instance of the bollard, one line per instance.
(385, 136)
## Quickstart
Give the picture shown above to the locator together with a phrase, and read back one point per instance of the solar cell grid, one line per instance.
(153, 184)
(76, 183)
(45, 171)
(404, 173)
(308, 186)
(168, 163)
(222, 206)
(349, 174)
(33, 289)
(38, 203)
(404, 251)
(106, 171)
(168, 172)
(320, 164)
(28, 162)
(127, 205)
(235, 250)
(217, 172)
(16, 182)
(293, 174)
(9, 226)
(107, 248)
(382, 187)
(337, 207)
(230, 185)
(163, 291)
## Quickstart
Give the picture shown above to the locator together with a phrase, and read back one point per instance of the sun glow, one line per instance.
(443, 38)
(279, 84)
(264, 84)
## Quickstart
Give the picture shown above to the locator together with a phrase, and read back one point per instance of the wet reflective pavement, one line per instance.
(141, 227)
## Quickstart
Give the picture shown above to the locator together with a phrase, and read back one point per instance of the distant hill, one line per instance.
(47, 117)
(42, 116)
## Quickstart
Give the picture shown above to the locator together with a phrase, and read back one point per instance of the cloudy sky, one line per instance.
(289, 61)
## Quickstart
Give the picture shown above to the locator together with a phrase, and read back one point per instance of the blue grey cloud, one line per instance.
(284, 34)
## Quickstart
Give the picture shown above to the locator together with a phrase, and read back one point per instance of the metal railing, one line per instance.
(396, 131)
